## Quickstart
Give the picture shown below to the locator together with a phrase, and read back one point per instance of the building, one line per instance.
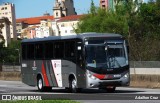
(44, 30)
(5, 30)
(67, 25)
(107, 4)
(63, 22)
(63, 8)
(110, 4)
(25, 26)
(8, 10)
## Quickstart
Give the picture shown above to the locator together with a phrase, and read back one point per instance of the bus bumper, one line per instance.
(93, 82)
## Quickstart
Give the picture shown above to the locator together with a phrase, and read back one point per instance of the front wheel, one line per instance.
(73, 85)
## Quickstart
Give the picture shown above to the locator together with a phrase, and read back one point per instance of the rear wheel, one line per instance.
(41, 86)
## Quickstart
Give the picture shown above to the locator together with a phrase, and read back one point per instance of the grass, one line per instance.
(42, 101)
(147, 81)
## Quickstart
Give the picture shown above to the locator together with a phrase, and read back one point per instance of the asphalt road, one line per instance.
(121, 95)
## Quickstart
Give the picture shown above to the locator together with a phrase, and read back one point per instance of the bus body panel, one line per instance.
(54, 73)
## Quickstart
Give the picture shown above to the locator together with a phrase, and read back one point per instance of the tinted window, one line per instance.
(49, 50)
(24, 51)
(30, 51)
(39, 51)
(70, 49)
(59, 50)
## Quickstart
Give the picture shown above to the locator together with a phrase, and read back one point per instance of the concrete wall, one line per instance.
(146, 71)
(9, 68)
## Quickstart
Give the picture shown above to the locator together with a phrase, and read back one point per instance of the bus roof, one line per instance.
(79, 36)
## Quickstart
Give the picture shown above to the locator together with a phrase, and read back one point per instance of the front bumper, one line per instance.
(95, 82)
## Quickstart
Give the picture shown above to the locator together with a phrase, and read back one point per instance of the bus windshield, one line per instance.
(95, 54)
(109, 55)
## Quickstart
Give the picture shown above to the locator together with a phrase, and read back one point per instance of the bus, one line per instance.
(87, 60)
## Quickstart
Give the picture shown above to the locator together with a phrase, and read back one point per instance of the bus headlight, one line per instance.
(92, 77)
(126, 75)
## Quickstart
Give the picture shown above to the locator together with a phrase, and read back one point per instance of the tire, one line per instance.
(73, 85)
(41, 86)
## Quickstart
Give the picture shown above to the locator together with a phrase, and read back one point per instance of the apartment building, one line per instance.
(8, 10)
(67, 25)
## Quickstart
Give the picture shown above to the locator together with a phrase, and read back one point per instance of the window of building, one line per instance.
(56, 13)
(62, 25)
(71, 31)
(5, 8)
(65, 31)
(2, 8)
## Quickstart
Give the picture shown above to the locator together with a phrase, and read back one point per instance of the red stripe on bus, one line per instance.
(45, 75)
(100, 76)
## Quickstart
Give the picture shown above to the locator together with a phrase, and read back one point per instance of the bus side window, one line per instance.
(70, 49)
(59, 50)
(24, 51)
(39, 51)
(30, 51)
(48, 50)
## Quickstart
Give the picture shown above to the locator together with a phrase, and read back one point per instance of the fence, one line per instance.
(136, 67)
(145, 67)
(11, 67)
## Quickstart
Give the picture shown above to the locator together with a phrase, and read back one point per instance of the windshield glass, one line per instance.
(95, 54)
(108, 55)
(116, 50)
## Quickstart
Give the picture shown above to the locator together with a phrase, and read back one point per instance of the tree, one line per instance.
(13, 51)
(92, 8)
(139, 23)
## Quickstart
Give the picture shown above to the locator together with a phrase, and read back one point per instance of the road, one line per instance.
(17, 88)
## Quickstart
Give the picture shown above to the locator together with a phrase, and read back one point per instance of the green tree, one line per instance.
(92, 8)
(13, 51)
(139, 23)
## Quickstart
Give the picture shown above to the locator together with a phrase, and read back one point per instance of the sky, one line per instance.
(33, 8)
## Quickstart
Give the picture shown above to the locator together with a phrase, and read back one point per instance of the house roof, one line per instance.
(70, 18)
(34, 20)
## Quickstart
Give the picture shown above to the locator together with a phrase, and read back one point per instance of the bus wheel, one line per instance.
(40, 84)
(73, 85)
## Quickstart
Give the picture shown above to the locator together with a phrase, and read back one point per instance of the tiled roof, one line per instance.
(70, 18)
(33, 20)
